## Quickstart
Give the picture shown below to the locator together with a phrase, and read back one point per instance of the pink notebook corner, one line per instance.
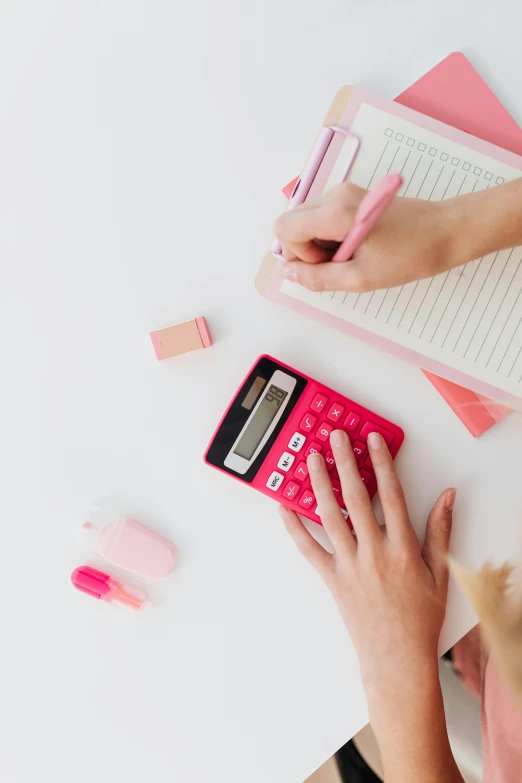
(453, 92)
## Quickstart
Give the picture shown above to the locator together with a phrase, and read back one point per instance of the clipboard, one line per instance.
(454, 93)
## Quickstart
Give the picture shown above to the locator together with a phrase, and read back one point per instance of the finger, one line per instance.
(329, 217)
(309, 252)
(438, 533)
(391, 494)
(331, 516)
(355, 494)
(346, 276)
(321, 221)
(318, 557)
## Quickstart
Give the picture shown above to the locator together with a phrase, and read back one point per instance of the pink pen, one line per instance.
(104, 587)
(370, 210)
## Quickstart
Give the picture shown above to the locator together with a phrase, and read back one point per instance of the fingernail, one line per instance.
(314, 462)
(338, 438)
(288, 273)
(375, 440)
(449, 500)
(283, 511)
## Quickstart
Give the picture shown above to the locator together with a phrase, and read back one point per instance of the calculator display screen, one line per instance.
(260, 422)
(253, 393)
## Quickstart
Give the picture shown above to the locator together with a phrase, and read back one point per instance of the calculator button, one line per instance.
(352, 421)
(291, 490)
(323, 433)
(359, 448)
(296, 442)
(369, 426)
(365, 476)
(319, 403)
(335, 413)
(368, 461)
(301, 471)
(330, 461)
(275, 480)
(286, 460)
(307, 499)
(308, 422)
(313, 448)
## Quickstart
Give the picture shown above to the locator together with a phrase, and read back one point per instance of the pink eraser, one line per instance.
(181, 338)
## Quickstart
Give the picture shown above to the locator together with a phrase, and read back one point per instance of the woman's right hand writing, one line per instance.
(413, 239)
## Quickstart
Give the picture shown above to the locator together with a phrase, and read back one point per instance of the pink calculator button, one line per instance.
(291, 490)
(313, 448)
(330, 461)
(359, 448)
(335, 413)
(319, 403)
(307, 499)
(369, 426)
(323, 433)
(296, 442)
(301, 471)
(352, 420)
(365, 476)
(308, 422)
(368, 461)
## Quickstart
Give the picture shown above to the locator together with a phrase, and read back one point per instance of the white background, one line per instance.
(142, 148)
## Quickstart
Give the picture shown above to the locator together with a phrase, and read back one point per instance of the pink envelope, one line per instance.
(454, 93)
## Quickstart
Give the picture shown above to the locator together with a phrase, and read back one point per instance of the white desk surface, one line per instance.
(142, 146)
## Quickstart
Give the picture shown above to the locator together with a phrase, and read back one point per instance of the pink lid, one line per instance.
(126, 543)
(91, 581)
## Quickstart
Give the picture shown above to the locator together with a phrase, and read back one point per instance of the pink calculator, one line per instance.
(276, 419)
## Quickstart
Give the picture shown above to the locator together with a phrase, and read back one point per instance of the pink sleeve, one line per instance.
(501, 729)
(468, 660)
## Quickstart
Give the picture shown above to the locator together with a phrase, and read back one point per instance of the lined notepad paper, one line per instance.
(469, 318)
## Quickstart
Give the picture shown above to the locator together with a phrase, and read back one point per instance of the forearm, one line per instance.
(410, 726)
(485, 221)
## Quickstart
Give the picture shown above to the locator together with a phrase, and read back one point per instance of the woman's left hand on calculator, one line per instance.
(391, 593)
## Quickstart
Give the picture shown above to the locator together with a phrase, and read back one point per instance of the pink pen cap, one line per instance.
(104, 587)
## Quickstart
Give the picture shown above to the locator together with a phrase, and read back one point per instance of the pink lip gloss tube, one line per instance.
(104, 587)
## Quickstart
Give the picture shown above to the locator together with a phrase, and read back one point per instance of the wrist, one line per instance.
(454, 236)
(483, 222)
(392, 688)
(400, 705)
(413, 718)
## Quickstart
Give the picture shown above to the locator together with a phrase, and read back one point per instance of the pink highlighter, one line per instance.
(104, 587)
(125, 543)
(370, 210)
